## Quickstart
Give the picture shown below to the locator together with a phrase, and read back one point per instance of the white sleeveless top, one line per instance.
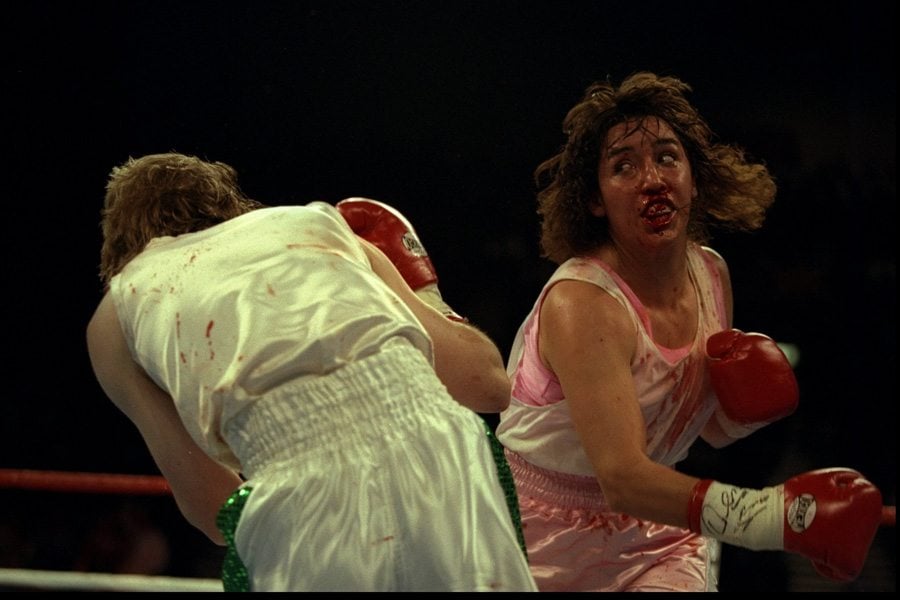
(222, 316)
(672, 385)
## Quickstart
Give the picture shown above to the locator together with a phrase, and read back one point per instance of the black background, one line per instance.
(444, 110)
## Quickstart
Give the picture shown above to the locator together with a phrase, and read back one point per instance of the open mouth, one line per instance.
(658, 213)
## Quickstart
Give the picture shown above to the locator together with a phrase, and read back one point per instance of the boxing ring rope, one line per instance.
(89, 483)
(147, 485)
(106, 483)
(93, 483)
(103, 582)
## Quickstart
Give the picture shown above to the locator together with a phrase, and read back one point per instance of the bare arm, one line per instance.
(587, 339)
(200, 484)
(466, 360)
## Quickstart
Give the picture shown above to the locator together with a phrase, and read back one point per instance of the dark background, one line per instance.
(444, 110)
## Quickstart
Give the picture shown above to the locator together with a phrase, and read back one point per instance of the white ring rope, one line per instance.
(103, 582)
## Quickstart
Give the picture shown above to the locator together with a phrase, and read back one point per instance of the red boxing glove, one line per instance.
(391, 233)
(753, 380)
(831, 516)
(386, 228)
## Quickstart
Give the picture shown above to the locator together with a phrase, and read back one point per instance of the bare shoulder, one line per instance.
(103, 319)
(725, 279)
(109, 353)
(574, 300)
(717, 259)
(105, 340)
(576, 313)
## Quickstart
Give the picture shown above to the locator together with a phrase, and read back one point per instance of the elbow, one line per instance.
(497, 384)
(211, 531)
(615, 499)
(494, 404)
(502, 404)
(488, 399)
(501, 389)
(204, 520)
(477, 381)
(618, 489)
(496, 394)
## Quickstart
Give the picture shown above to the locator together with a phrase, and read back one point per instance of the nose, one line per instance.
(652, 181)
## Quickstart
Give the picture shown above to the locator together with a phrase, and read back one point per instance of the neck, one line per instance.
(659, 278)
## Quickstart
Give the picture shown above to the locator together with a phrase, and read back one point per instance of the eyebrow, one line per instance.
(659, 142)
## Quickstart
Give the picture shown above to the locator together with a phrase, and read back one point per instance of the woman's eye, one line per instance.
(667, 158)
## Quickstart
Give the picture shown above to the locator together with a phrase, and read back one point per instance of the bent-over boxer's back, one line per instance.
(221, 316)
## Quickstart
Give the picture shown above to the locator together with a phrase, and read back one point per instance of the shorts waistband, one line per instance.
(368, 402)
(565, 490)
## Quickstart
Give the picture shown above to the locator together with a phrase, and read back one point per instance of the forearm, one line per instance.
(466, 360)
(649, 491)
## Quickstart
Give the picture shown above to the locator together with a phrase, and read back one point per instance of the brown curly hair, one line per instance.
(732, 191)
(164, 195)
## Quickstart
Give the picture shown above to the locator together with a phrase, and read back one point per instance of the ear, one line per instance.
(596, 207)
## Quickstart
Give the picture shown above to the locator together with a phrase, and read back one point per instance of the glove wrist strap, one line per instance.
(744, 517)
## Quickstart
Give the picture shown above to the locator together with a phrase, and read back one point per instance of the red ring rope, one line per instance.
(154, 485)
(93, 483)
